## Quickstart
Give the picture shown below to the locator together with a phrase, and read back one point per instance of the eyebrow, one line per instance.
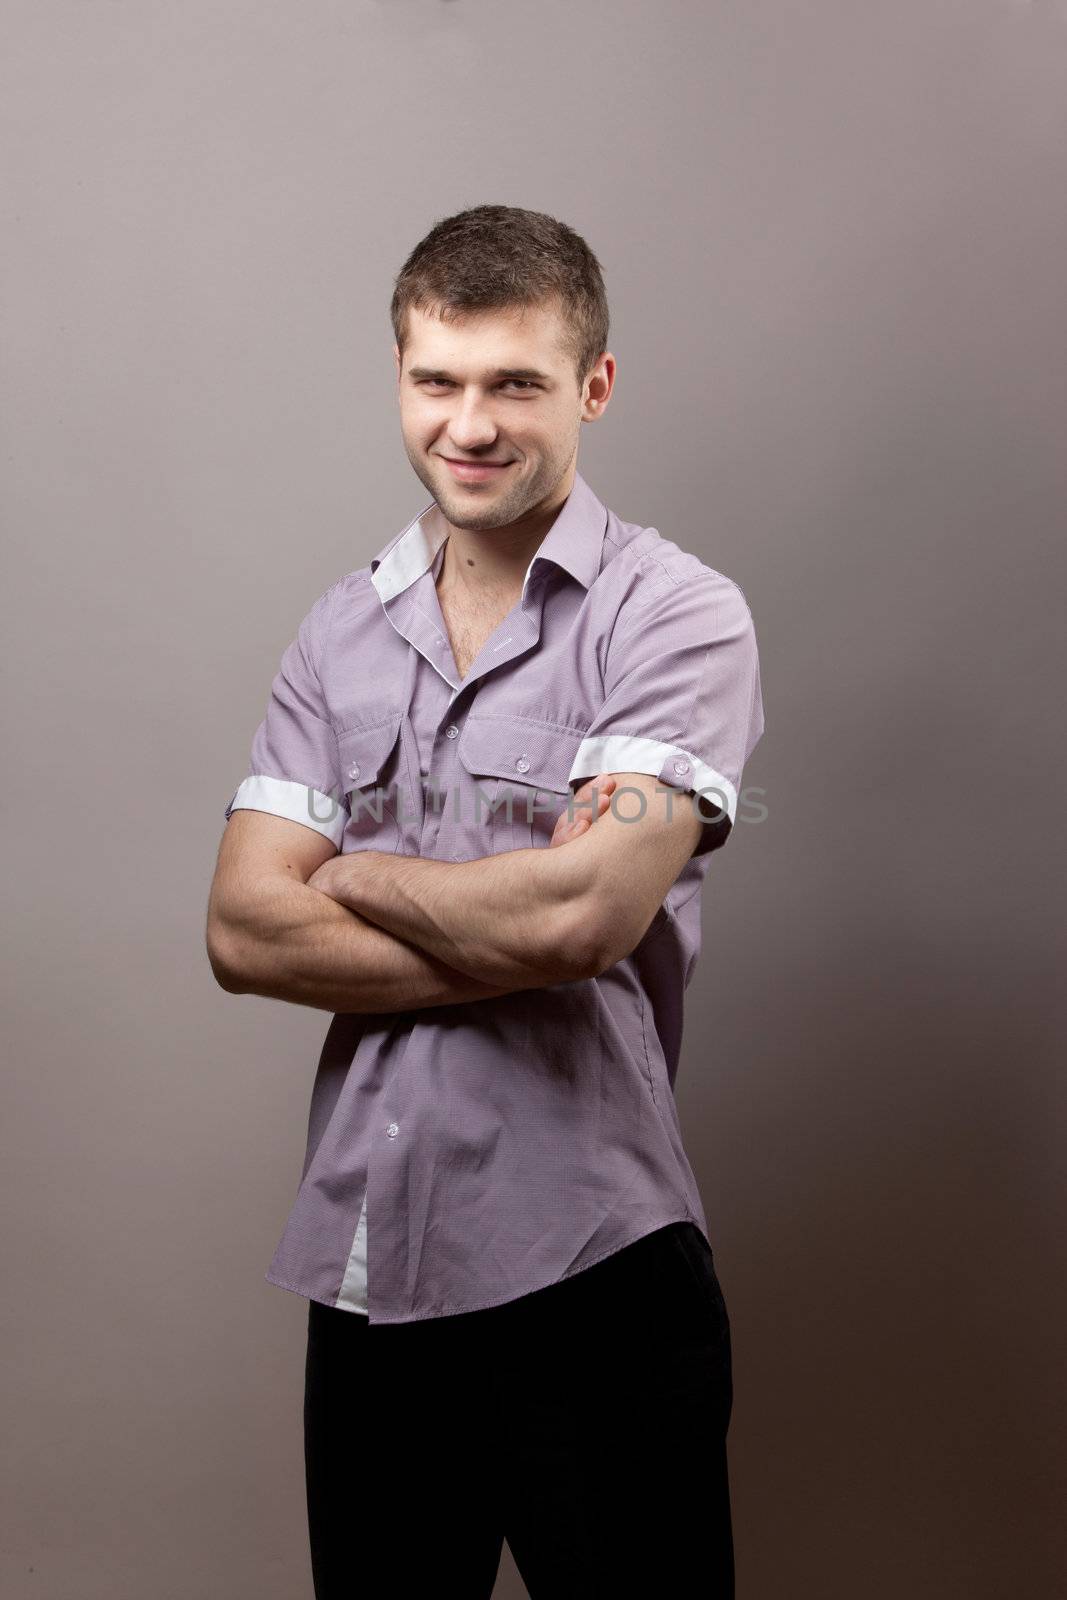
(499, 372)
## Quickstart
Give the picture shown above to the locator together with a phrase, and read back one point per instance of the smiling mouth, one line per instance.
(472, 471)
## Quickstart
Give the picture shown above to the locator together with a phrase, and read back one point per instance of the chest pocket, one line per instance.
(373, 784)
(521, 766)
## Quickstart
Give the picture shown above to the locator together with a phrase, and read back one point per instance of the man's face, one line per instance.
(494, 388)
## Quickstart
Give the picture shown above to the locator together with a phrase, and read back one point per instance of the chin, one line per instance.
(474, 518)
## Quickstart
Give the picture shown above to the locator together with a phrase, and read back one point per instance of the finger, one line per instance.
(598, 789)
(603, 782)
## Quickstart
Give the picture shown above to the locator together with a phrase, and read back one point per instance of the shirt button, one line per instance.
(392, 1130)
(522, 765)
(353, 772)
(681, 766)
(451, 731)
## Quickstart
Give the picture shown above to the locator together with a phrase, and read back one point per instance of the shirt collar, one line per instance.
(573, 542)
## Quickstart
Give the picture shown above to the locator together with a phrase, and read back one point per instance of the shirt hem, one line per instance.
(485, 1305)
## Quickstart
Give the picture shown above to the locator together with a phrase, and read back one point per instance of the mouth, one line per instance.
(476, 471)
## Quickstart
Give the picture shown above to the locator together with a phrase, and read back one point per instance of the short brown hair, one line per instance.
(494, 257)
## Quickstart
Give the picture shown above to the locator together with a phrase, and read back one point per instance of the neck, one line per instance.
(493, 561)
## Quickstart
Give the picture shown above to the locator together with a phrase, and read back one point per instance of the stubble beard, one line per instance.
(516, 499)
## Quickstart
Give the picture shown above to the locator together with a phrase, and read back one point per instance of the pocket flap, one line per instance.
(537, 755)
(363, 752)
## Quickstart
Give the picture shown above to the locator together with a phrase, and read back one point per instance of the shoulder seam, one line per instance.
(652, 557)
(330, 597)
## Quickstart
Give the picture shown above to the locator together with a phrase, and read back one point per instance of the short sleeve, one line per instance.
(293, 768)
(682, 697)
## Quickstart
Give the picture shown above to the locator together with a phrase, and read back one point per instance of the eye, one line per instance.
(446, 383)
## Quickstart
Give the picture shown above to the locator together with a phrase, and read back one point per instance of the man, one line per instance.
(471, 830)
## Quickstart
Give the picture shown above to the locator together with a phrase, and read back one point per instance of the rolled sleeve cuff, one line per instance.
(670, 763)
(296, 801)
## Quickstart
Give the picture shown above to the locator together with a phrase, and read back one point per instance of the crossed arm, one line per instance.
(373, 932)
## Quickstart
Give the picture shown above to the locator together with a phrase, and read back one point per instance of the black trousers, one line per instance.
(585, 1423)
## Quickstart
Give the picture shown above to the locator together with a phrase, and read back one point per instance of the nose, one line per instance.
(470, 426)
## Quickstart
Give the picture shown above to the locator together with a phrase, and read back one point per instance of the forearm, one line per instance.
(291, 942)
(518, 918)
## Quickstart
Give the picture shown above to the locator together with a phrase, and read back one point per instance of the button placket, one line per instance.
(443, 797)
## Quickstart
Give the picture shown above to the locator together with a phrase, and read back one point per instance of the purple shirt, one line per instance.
(461, 1155)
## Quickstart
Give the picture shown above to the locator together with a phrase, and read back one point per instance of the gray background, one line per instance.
(835, 246)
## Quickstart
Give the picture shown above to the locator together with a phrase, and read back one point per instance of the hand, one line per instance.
(572, 827)
(334, 874)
